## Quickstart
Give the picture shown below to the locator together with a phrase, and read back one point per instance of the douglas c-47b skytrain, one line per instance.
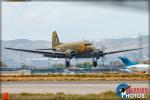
(71, 50)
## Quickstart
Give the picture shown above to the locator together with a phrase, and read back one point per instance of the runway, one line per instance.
(65, 87)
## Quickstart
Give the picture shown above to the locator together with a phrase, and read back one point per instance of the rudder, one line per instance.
(126, 61)
(55, 39)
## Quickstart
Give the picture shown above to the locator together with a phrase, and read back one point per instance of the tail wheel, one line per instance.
(67, 63)
(95, 63)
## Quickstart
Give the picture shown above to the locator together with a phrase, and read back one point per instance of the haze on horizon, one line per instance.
(73, 21)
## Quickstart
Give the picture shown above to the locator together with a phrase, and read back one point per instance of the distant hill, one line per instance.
(14, 58)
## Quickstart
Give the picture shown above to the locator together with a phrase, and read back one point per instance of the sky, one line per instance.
(73, 21)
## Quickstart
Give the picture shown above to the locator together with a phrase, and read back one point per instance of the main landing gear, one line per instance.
(94, 62)
(67, 61)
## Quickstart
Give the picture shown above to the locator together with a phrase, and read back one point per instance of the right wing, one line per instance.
(45, 53)
(47, 49)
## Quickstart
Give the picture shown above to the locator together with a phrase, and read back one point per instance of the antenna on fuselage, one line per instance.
(83, 37)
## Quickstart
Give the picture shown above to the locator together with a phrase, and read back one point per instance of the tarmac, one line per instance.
(65, 87)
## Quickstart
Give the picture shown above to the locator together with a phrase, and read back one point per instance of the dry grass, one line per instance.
(62, 96)
(78, 77)
(109, 95)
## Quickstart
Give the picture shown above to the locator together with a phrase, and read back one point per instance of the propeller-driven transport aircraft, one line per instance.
(83, 49)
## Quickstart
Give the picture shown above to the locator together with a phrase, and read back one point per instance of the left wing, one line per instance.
(46, 54)
(107, 53)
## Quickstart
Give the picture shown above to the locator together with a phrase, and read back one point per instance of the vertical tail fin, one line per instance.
(55, 39)
(126, 61)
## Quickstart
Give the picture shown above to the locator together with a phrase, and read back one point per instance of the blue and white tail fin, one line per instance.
(127, 62)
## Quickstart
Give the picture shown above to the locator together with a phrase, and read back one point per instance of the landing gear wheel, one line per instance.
(94, 60)
(95, 63)
(67, 63)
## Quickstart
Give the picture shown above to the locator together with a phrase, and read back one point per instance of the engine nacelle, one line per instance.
(97, 54)
(70, 53)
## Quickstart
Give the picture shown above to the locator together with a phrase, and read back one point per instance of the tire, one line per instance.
(95, 63)
(67, 63)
